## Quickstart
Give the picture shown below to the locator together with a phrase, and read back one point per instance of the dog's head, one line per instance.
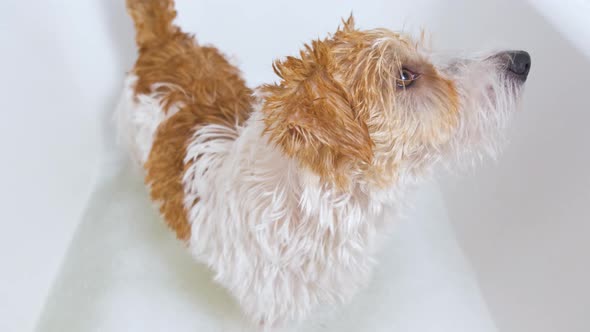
(370, 106)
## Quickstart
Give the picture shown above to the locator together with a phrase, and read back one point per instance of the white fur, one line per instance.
(488, 97)
(138, 117)
(277, 239)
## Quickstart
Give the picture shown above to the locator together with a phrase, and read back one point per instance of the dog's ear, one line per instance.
(310, 116)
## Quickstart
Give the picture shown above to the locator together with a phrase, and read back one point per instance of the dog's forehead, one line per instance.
(388, 34)
(375, 38)
(401, 48)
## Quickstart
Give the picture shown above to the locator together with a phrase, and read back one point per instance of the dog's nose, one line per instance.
(519, 63)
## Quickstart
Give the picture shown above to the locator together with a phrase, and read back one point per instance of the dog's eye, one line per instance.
(406, 78)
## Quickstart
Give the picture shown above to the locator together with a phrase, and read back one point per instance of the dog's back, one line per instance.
(175, 87)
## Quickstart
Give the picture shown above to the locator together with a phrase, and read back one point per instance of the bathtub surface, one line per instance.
(124, 271)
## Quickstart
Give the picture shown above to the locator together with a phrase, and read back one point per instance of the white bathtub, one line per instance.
(522, 223)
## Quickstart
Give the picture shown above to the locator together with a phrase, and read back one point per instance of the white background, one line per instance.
(523, 222)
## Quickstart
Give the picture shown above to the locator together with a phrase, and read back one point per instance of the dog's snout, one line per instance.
(518, 63)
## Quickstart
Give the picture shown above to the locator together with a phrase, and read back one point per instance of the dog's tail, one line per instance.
(153, 20)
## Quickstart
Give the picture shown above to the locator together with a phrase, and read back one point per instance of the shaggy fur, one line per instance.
(282, 194)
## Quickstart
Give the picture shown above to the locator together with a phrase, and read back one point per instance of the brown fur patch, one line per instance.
(200, 80)
(309, 115)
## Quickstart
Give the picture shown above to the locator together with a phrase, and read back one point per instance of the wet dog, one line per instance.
(281, 190)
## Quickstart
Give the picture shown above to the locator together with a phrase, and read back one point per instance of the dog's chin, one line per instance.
(484, 117)
(515, 80)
